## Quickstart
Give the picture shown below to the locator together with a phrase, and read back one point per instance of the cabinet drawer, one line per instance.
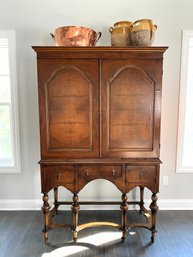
(59, 174)
(141, 174)
(100, 171)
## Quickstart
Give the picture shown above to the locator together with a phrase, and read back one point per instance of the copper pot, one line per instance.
(75, 36)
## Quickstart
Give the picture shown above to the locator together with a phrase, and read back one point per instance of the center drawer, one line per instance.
(99, 171)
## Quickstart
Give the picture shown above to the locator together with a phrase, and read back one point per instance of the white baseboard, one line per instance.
(20, 204)
(36, 204)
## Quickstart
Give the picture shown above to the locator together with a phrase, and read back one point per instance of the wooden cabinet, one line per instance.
(100, 110)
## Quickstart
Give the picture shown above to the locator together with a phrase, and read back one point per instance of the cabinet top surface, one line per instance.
(98, 51)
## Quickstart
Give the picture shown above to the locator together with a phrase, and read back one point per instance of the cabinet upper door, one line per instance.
(69, 108)
(131, 92)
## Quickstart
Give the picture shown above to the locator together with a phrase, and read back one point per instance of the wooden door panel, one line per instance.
(70, 102)
(128, 108)
(130, 121)
(67, 126)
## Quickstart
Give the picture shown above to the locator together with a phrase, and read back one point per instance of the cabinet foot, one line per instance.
(45, 236)
(153, 236)
(75, 237)
(123, 239)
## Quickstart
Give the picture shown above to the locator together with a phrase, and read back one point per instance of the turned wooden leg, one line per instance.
(75, 208)
(141, 199)
(153, 206)
(56, 199)
(46, 212)
(124, 208)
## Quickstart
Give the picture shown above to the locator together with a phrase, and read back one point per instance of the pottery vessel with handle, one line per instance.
(120, 34)
(143, 32)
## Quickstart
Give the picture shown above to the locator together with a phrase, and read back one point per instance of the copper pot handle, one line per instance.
(98, 35)
(52, 35)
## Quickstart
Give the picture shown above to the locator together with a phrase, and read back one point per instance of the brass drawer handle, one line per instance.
(59, 176)
(87, 172)
(141, 175)
(113, 172)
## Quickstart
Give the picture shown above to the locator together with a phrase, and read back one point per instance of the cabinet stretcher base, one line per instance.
(49, 213)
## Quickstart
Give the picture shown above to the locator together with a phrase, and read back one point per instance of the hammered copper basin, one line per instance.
(75, 36)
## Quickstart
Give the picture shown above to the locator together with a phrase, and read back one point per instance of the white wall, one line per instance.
(33, 20)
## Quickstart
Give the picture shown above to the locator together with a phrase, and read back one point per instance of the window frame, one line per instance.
(180, 168)
(14, 115)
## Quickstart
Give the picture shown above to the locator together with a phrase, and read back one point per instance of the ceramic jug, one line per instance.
(120, 34)
(143, 32)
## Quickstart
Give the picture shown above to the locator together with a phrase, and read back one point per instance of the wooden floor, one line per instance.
(20, 236)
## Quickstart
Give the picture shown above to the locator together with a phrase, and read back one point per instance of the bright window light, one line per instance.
(9, 129)
(185, 121)
(93, 240)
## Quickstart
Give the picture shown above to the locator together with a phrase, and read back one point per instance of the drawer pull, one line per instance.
(87, 172)
(59, 176)
(113, 172)
(141, 175)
